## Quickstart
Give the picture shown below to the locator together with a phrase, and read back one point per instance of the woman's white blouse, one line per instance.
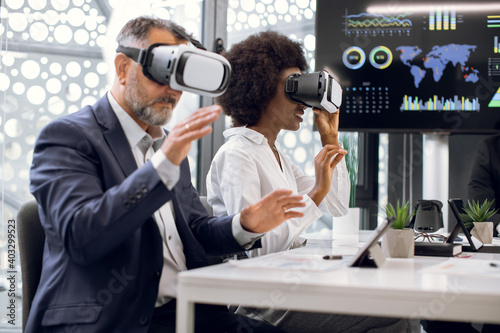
(244, 170)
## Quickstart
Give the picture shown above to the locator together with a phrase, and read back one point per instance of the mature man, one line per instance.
(120, 214)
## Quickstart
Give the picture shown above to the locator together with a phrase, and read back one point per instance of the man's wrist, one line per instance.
(168, 172)
(245, 238)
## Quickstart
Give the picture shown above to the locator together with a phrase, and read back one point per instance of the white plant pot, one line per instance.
(483, 231)
(399, 243)
(347, 227)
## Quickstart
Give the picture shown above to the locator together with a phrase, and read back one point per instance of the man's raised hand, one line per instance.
(271, 211)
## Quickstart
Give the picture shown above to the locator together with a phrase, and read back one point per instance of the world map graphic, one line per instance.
(437, 60)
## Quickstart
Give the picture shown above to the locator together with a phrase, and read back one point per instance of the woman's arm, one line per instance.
(238, 178)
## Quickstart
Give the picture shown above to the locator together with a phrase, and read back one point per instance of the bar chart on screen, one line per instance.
(435, 103)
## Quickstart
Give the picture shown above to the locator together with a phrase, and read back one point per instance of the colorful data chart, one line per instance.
(493, 21)
(380, 57)
(354, 57)
(377, 24)
(443, 18)
(365, 99)
(495, 101)
(493, 66)
(440, 104)
(496, 45)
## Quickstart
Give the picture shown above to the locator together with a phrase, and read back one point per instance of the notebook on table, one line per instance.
(369, 255)
(437, 249)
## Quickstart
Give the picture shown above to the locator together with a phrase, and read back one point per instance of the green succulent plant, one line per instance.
(401, 213)
(477, 212)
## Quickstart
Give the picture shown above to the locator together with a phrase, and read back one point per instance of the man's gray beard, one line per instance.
(147, 113)
(151, 117)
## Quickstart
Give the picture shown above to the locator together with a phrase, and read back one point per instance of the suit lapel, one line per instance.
(114, 135)
(118, 144)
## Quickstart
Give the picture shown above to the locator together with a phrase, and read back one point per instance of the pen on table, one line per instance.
(332, 257)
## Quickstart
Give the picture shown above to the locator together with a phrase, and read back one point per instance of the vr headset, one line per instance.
(183, 67)
(316, 90)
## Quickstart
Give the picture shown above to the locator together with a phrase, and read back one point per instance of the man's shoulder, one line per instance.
(83, 114)
(84, 118)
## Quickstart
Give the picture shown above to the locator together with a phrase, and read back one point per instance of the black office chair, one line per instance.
(213, 260)
(31, 242)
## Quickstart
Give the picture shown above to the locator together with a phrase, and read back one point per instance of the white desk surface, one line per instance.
(405, 288)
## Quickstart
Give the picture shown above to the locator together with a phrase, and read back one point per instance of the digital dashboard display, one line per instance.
(413, 66)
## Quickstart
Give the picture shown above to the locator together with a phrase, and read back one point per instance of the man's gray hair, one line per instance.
(136, 31)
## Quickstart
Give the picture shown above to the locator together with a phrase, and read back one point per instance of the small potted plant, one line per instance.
(399, 241)
(477, 216)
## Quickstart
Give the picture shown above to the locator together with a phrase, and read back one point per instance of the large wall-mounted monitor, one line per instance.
(413, 66)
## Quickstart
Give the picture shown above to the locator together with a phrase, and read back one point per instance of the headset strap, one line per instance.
(193, 41)
(138, 55)
(142, 57)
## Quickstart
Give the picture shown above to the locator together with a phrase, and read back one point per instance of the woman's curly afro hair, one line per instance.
(257, 63)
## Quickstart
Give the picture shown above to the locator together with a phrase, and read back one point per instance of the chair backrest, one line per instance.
(31, 242)
(204, 201)
(213, 260)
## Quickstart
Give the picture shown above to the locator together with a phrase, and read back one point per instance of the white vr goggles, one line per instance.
(183, 67)
(316, 90)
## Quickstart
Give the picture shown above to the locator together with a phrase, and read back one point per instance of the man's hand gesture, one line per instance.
(178, 142)
(271, 211)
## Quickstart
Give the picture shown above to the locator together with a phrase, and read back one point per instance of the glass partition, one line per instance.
(56, 57)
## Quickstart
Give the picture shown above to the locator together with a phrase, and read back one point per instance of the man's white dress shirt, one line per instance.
(145, 147)
(245, 169)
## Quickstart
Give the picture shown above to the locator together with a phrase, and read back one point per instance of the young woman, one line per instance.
(249, 165)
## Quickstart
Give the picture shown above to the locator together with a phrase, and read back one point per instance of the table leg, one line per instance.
(184, 316)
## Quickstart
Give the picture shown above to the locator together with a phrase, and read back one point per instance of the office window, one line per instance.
(55, 58)
(296, 19)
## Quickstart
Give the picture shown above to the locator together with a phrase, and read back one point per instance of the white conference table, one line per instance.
(435, 288)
